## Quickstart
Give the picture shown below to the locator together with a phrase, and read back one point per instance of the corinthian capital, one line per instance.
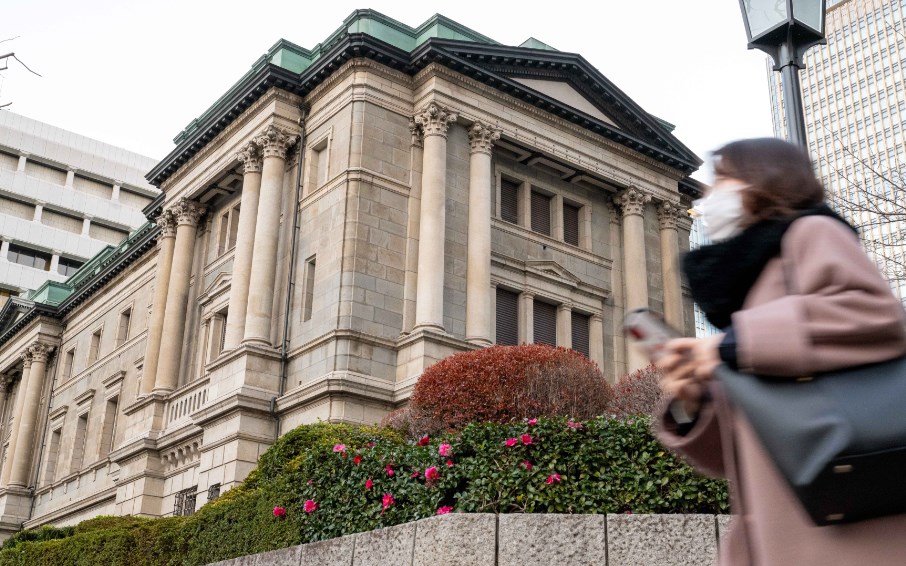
(482, 138)
(632, 201)
(418, 139)
(167, 223)
(435, 120)
(668, 214)
(39, 352)
(187, 212)
(274, 142)
(250, 156)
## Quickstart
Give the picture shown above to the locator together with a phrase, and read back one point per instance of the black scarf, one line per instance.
(721, 274)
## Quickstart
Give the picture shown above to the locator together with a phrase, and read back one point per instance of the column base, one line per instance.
(479, 341)
(257, 342)
(15, 508)
(428, 327)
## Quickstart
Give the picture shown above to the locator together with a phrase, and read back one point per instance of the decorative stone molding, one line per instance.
(275, 142)
(668, 214)
(167, 223)
(597, 318)
(632, 201)
(250, 156)
(182, 455)
(187, 212)
(84, 398)
(482, 138)
(418, 139)
(435, 120)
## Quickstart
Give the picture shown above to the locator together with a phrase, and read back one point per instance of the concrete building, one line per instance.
(63, 198)
(854, 103)
(339, 220)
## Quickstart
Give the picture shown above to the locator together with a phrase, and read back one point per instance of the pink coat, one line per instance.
(843, 315)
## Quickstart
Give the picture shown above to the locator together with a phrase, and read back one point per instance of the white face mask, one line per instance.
(721, 211)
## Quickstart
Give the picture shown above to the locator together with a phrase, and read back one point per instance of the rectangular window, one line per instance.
(53, 454)
(95, 347)
(68, 358)
(184, 503)
(309, 289)
(108, 429)
(545, 323)
(541, 213)
(571, 224)
(229, 228)
(78, 444)
(580, 332)
(509, 201)
(122, 331)
(217, 333)
(29, 257)
(507, 317)
(318, 164)
(68, 266)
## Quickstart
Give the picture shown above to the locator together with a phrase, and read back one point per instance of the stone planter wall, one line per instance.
(466, 539)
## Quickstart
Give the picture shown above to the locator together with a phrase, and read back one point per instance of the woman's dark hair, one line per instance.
(779, 174)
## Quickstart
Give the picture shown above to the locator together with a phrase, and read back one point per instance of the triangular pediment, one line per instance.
(550, 268)
(220, 282)
(565, 93)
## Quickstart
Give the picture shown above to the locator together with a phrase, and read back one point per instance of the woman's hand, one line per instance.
(686, 364)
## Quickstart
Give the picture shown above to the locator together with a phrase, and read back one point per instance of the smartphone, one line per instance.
(649, 331)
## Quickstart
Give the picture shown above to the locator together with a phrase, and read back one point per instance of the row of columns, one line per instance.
(22, 437)
(252, 291)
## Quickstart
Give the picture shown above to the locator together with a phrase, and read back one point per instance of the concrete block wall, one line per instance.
(484, 539)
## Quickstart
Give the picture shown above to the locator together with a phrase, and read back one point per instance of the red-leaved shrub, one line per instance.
(637, 393)
(503, 383)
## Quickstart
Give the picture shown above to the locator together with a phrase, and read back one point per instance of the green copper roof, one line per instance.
(533, 43)
(296, 59)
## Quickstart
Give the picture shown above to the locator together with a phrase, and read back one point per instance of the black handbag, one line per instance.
(839, 438)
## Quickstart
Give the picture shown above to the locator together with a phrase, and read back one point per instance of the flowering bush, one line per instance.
(503, 383)
(637, 393)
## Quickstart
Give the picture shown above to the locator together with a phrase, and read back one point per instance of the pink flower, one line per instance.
(574, 426)
(629, 422)
(339, 448)
(370, 445)
(416, 473)
(311, 482)
(368, 483)
(511, 442)
(423, 441)
(526, 439)
(449, 463)
(357, 460)
(527, 465)
(552, 479)
(386, 502)
(444, 449)
(444, 510)
(532, 422)
(431, 474)
(389, 470)
(279, 512)
(309, 506)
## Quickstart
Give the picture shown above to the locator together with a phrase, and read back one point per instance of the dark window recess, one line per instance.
(29, 258)
(507, 317)
(580, 333)
(541, 213)
(570, 224)
(68, 266)
(213, 492)
(545, 323)
(184, 504)
(509, 201)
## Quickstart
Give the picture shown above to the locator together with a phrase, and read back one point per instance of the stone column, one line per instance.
(250, 156)
(273, 143)
(70, 178)
(165, 246)
(596, 340)
(478, 268)
(21, 165)
(429, 307)
(55, 261)
(565, 325)
(413, 226)
(668, 214)
(39, 211)
(17, 418)
(635, 271)
(25, 432)
(526, 317)
(187, 214)
(4, 249)
(86, 225)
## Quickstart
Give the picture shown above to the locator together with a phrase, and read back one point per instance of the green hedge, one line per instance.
(604, 466)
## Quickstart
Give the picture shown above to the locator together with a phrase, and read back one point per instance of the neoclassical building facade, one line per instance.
(338, 221)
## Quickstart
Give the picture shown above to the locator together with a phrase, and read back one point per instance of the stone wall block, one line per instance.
(661, 540)
(333, 552)
(723, 527)
(565, 540)
(456, 539)
(392, 545)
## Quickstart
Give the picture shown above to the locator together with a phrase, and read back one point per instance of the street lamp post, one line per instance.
(785, 30)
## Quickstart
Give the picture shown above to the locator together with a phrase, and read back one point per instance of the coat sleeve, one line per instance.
(839, 312)
(701, 445)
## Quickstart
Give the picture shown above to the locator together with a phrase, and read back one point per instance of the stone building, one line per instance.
(63, 198)
(340, 219)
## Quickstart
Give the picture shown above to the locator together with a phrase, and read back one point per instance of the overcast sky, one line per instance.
(134, 74)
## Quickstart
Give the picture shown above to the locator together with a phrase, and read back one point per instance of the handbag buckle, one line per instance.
(843, 469)
(805, 378)
(834, 517)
